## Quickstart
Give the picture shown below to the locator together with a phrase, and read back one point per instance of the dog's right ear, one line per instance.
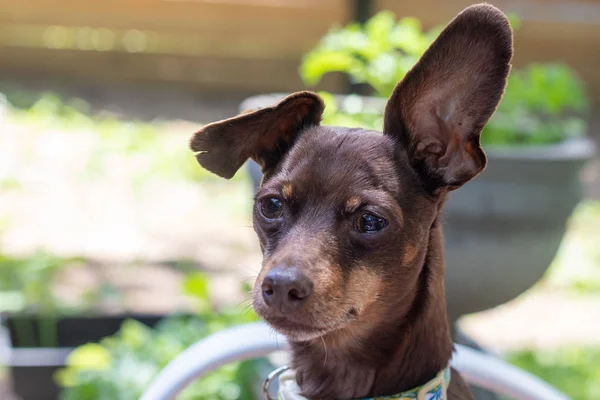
(264, 135)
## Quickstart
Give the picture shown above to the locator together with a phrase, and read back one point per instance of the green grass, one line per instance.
(156, 150)
(573, 370)
(576, 267)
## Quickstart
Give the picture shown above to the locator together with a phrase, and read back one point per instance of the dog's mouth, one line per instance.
(296, 331)
(299, 331)
(287, 324)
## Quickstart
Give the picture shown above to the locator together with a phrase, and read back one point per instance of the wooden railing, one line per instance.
(220, 44)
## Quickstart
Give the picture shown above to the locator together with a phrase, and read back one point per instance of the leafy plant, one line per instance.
(25, 287)
(120, 367)
(543, 103)
(574, 370)
(352, 111)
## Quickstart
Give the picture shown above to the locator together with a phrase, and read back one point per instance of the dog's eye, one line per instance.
(271, 207)
(369, 223)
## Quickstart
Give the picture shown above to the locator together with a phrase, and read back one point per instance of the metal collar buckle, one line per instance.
(270, 378)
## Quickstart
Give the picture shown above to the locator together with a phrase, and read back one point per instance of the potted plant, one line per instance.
(503, 229)
(42, 331)
(123, 365)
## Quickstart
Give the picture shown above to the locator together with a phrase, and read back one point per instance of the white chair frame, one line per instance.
(257, 340)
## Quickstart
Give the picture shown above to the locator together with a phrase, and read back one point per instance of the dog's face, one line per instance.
(340, 223)
(344, 215)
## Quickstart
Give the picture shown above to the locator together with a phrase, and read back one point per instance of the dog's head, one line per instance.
(344, 215)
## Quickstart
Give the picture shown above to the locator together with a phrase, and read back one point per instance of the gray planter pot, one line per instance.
(502, 230)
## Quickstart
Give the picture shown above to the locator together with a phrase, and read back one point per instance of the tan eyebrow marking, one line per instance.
(287, 190)
(352, 204)
(410, 253)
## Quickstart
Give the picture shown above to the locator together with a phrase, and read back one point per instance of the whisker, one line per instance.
(242, 303)
(246, 309)
(253, 269)
(248, 279)
(325, 348)
(275, 336)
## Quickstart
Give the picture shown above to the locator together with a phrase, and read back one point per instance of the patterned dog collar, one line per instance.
(435, 389)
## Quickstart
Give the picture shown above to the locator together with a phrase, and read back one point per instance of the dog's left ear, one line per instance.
(438, 110)
(264, 135)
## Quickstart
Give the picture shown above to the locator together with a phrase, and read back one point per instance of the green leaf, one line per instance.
(379, 28)
(319, 63)
(90, 356)
(134, 333)
(196, 285)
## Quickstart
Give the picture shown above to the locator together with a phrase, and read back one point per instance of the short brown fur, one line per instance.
(370, 319)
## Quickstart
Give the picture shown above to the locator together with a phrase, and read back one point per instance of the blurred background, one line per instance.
(117, 251)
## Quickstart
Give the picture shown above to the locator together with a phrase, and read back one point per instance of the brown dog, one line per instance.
(348, 219)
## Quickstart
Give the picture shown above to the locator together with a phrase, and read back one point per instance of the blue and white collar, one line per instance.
(435, 389)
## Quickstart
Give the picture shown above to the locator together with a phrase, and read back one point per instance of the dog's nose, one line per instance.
(286, 289)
